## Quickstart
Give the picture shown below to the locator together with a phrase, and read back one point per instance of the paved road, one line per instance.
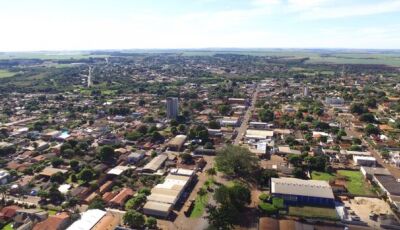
(245, 122)
(392, 169)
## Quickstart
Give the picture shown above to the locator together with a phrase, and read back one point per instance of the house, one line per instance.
(109, 222)
(369, 172)
(229, 121)
(135, 157)
(88, 220)
(27, 218)
(286, 150)
(56, 222)
(255, 134)
(50, 171)
(121, 197)
(176, 143)
(8, 212)
(302, 192)
(4, 176)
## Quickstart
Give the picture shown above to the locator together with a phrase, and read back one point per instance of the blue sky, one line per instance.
(31, 25)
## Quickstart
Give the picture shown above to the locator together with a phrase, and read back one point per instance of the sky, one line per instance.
(38, 25)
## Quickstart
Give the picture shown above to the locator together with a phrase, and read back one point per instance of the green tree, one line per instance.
(86, 175)
(97, 203)
(135, 202)
(55, 162)
(151, 222)
(236, 161)
(134, 219)
(266, 115)
(371, 129)
(106, 154)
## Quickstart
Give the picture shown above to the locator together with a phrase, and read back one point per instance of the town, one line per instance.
(116, 140)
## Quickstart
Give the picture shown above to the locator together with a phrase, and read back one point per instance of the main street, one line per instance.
(245, 121)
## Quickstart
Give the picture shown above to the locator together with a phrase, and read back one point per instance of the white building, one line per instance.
(364, 161)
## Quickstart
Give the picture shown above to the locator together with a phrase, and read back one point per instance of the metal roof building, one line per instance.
(302, 192)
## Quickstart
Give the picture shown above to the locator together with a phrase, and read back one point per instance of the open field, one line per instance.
(322, 176)
(319, 56)
(355, 182)
(313, 212)
(6, 73)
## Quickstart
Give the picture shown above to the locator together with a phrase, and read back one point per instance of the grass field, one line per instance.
(355, 182)
(313, 212)
(199, 206)
(8, 227)
(5, 73)
(322, 176)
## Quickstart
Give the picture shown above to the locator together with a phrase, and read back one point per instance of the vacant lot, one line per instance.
(313, 212)
(355, 182)
(322, 176)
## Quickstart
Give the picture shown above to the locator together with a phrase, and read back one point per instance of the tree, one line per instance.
(68, 153)
(371, 129)
(224, 109)
(135, 202)
(263, 176)
(151, 222)
(266, 115)
(106, 154)
(358, 108)
(55, 162)
(133, 136)
(86, 175)
(134, 219)
(267, 208)
(57, 178)
(186, 158)
(223, 217)
(299, 173)
(211, 172)
(295, 160)
(367, 117)
(214, 125)
(97, 203)
(236, 161)
(74, 164)
(371, 102)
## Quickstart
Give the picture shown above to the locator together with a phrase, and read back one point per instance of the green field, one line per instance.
(5, 73)
(313, 212)
(390, 58)
(8, 227)
(355, 182)
(322, 176)
(199, 206)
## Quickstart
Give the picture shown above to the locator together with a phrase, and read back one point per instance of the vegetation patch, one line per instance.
(355, 182)
(313, 212)
(315, 175)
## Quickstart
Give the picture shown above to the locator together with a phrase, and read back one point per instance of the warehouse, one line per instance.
(302, 192)
(164, 196)
(176, 143)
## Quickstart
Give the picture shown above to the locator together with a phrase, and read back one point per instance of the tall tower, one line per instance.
(306, 91)
(172, 107)
(90, 80)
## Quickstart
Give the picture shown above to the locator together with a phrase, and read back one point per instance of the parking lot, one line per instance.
(363, 207)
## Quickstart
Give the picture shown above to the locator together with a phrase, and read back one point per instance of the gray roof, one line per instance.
(390, 183)
(310, 188)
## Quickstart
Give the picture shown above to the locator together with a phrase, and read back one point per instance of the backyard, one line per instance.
(355, 182)
(315, 175)
(313, 212)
